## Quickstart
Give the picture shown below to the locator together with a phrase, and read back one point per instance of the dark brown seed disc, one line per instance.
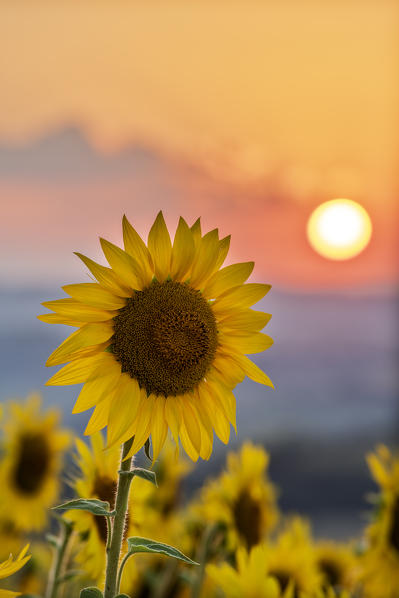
(32, 464)
(248, 518)
(166, 338)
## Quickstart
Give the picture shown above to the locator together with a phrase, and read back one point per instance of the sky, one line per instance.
(248, 113)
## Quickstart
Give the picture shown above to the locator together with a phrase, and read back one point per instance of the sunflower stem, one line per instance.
(202, 558)
(59, 562)
(114, 548)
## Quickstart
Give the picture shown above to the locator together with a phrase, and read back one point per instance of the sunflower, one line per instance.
(251, 578)
(291, 560)
(242, 498)
(337, 563)
(9, 567)
(97, 478)
(30, 469)
(162, 338)
(381, 558)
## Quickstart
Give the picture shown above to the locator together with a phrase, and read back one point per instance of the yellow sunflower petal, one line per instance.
(183, 251)
(106, 277)
(92, 293)
(125, 405)
(254, 342)
(143, 423)
(196, 231)
(57, 319)
(99, 418)
(160, 248)
(252, 370)
(135, 247)
(224, 246)
(74, 372)
(205, 259)
(226, 278)
(218, 418)
(191, 424)
(173, 417)
(226, 370)
(240, 297)
(226, 402)
(159, 427)
(122, 264)
(78, 311)
(103, 379)
(205, 427)
(88, 335)
(246, 320)
(188, 446)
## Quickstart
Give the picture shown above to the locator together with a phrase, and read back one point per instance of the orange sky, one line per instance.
(296, 98)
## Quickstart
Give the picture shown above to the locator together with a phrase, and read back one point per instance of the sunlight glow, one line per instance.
(339, 229)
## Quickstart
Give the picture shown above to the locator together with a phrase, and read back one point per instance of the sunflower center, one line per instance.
(283, 578)
(394, 531)
(104, 489)
(32, 464)
(247, 517)
(166, 338)
(331, 572)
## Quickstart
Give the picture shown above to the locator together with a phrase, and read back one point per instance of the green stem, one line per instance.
(59, 561)
(201, 558)
(114, 548)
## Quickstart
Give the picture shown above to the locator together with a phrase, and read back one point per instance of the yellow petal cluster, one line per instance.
(129, 408)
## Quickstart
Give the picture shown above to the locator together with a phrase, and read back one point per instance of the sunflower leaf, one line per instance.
(122, 596)
(137, 544)
(145, 474)
(91, 593)
(92, 505)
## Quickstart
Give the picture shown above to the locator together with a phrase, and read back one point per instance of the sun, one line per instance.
(339, 229)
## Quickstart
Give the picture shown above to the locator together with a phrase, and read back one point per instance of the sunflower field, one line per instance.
(160, 341)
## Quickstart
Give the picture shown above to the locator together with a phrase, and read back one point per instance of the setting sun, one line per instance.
(339, 229)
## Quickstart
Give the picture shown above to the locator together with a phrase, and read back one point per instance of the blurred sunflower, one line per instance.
(97, 478)
(170, 470)
(291, 560)
(242, 498)
(9, 567)
(328, 592)
(251, 578)
(381, 558)
(162, 338)
(337, 563)
(30, 470)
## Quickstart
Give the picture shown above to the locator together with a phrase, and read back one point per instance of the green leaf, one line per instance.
(91, 593)
(147, 449)
(93, 505)
(145, 474)
(137, 544)
(122, 596)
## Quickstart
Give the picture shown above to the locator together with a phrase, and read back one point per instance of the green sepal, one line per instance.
(92, 505)
(91, 593)
(147, 449)
(137, 544)
(122, 596)
(145, 474)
